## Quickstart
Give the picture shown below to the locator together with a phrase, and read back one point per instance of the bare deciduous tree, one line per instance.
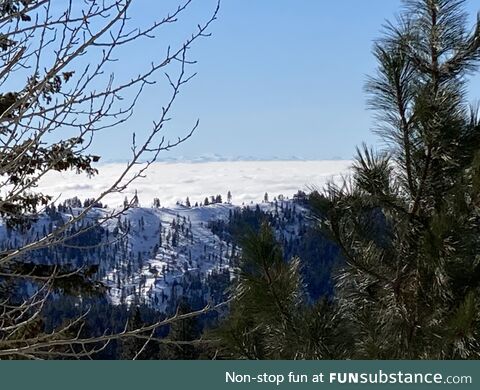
(57, 93)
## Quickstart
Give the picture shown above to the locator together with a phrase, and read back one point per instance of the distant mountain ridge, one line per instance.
(214, 157)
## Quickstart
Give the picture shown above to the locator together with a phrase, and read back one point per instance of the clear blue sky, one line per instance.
(277, 78)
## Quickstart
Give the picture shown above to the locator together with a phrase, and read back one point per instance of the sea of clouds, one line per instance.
(172, 182)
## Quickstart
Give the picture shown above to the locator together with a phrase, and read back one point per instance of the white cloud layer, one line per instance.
(171, 182)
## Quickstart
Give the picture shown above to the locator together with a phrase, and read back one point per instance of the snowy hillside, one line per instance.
(174, 243)
(157, 256)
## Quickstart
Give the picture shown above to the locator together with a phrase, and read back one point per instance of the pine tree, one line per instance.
(135, 201)
(408, 222)
(131, 346)
(181, 333)
(138, 348)
(270, 317)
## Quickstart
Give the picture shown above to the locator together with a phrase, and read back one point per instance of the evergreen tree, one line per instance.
(135, 201)
(181, 333)
(132, 345)
(408, 223)
(270, 317)
(139, 348)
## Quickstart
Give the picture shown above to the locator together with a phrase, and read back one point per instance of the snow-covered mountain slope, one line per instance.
(170, 243)
(156, 255)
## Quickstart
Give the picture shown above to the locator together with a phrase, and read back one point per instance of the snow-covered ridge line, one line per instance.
(154, 255)
(208, 158)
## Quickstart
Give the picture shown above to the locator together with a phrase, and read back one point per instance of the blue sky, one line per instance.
(277, 78)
